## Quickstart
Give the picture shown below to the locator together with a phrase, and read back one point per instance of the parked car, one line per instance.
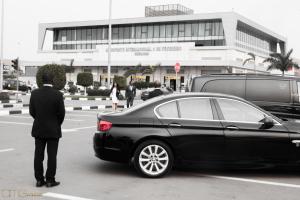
(154, 92)
(11, 84)
(200, 128)
(276, 94)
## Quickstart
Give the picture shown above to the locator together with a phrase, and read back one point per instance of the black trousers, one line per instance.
(52, 145)
(130, 102)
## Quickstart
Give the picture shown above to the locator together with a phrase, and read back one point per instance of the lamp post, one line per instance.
(109, 45)
(1, 48)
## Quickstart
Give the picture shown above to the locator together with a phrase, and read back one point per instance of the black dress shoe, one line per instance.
(52, 184)
(40, 183)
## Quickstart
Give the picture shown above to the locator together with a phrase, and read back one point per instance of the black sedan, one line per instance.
(151, 93)
(200, 128)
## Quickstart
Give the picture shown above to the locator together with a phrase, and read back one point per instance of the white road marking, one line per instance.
(66, 119)
(77, 129)
(6, 150)
(18, 123)
(63, 196)
(81, 115)
(252, 181)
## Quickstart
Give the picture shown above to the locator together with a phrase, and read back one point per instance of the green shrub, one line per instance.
(85, 79)
(121, 81)
(142, 85)
(4, 96)
(58, 73)
(104, 93)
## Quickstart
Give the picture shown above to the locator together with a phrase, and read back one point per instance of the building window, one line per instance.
(175, 31)
(169, 31)
(78, 34)
(188, 30)
(94, 34)
(181, 30)
(156, 31)
(194, 29)
(144, 32)
(127, 33)
(150, 31)
(162, 31)
(138, 32)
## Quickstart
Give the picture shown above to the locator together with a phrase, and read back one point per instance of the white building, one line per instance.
(201, 43)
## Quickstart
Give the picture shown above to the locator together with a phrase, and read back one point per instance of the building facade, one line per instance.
(201, 43)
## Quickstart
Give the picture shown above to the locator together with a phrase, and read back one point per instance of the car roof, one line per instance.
(248, 75)
(199, 94)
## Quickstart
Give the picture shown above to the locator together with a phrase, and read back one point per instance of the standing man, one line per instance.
(130, 94)
(48, 111)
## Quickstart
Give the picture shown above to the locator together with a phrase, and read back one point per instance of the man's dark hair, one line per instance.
(47, 78)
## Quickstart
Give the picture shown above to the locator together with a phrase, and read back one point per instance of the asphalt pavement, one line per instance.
(84, 177)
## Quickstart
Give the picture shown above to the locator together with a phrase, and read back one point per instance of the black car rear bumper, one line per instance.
(108, 153)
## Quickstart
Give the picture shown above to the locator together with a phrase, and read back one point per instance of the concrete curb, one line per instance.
(10, 101)
(86, 99)
(26, 111)
(13, 105)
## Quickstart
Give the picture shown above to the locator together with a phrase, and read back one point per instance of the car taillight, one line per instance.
(104, 125)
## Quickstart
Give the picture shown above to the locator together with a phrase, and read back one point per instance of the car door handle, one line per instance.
(232, 128)
(174, 125)
(296, 142)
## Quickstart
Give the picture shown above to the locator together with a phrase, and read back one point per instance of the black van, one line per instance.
(276, 94)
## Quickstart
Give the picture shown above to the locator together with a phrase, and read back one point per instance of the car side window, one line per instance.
(168, 110)
(238, 111)
(195, 108)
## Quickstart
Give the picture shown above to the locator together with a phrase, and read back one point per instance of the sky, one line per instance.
(21, 17)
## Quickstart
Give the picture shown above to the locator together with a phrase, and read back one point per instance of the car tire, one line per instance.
(153, 159)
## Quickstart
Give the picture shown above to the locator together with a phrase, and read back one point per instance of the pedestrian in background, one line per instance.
(130, 94)
(48, 111)
(114, 94)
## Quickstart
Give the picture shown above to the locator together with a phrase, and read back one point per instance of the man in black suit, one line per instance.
(130, 94)
(48, 111)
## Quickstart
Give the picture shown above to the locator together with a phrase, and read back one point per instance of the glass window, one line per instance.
(181, 30)
(227, 86)
(89, 46)
(194, 29)
(162, 31)
(69, 35)
(127, 33)
(238, 111)
(78, 34)
(175, 31)
(188, 30)
(83, 34)
(169, 31)
(150, 31)
(105, 33)
(196, 108)
(138, 32)
(156, 31)
(94, 34)
(121, 32)
(78, 46)
(115, 33)
(64, 35)
(168, 110)
(144, 32)
(89, 34)
(208, 29)
(73, 35)
(268, 90)
(201, 29)
(99, 33)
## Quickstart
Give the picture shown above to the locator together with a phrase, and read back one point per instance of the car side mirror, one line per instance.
(268, 122)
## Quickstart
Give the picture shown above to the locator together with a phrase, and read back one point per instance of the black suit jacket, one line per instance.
(130, 93)
(48, 110)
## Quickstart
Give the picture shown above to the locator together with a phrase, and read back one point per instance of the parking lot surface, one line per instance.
(83, 176)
